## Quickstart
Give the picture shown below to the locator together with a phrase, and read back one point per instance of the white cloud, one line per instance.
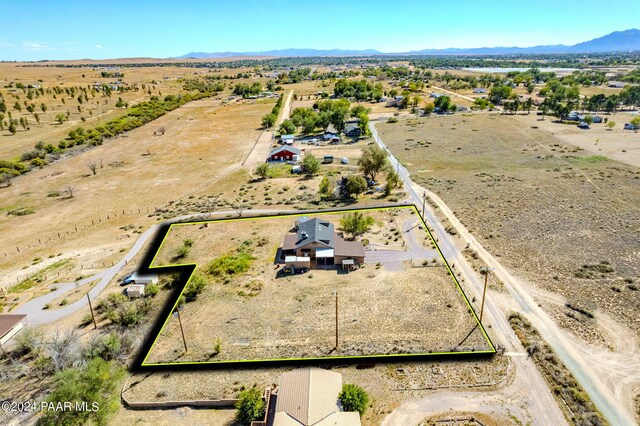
(39, 46)
(98, 46)
(36, 46)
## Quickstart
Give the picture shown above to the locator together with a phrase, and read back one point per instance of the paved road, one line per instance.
(543, 409)
(577, 356)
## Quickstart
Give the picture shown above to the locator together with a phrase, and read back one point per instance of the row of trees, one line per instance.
(325, 113)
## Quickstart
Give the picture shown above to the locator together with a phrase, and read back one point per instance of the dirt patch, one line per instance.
(544, 207)
(262, 314)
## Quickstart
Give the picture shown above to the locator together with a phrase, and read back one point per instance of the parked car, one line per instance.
(629, 126)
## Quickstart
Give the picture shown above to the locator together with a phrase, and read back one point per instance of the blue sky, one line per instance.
(63, 29)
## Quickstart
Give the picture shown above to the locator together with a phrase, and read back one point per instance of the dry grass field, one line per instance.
(561, 217)
(262, 314)
(388, 384)
(136, 173)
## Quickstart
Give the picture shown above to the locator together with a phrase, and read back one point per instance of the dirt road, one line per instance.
(542, 409)
(579, 358)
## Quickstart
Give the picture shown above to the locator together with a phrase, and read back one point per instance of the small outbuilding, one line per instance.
(135, 291)
(287, 139)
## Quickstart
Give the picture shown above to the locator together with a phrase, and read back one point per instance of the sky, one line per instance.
(63, 29)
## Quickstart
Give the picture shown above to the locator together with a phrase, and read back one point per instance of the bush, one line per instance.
(196, 285)
(97, 383)
(250, 406)
(28, 342)
(353, 398)
(230, 264)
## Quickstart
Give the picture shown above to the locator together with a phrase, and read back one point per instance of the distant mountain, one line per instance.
(618, 41)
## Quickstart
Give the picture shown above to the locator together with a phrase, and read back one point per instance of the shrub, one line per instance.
(353, 398)
(230, 264)
(196, 285)
(97, 383)
(250, 406)
(29, 341)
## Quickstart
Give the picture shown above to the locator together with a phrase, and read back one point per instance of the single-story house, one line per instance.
(317, 240)
(285, 153)
(10, 325)
(287, 139)
(617, 84)
(352, 130)
(309, 397)
(629, 126)
(134, 290)
(331, 134)
(479, 90)
(435, 95)
(583, 125)
(396, 101)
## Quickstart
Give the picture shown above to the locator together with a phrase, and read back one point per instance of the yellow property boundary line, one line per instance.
(146, 350)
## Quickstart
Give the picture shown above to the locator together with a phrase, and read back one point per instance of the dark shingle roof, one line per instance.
(315, 230)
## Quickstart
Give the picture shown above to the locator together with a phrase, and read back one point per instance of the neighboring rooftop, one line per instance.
(309, 397)
(8, 321)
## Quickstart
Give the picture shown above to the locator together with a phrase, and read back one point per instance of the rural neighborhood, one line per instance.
(390, 224)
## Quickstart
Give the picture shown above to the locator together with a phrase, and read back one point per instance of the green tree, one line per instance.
(12, 128)
(443, 103)
(311, 164)
(588, 119)
(499, 92)
(43, 107)
(325, 187)
(611, 125)
(373, 161)
(355, 185)
(61, 118)
(363, 123)
(356, 223)
(635, 121)
(428, 108)
(353, 398)
(263, 170)
(287, 127)
(97, 383)
(392, 177)
(269, 120)
(250, 406)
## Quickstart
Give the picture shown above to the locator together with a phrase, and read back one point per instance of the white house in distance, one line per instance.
(10, 325)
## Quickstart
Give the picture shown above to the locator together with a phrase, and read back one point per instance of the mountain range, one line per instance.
(618, 41)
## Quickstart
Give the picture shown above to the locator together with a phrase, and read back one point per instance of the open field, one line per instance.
(262, 314)
(136, 173)
(389, 384)
(562, 218)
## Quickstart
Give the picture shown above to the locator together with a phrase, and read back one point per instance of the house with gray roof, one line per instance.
(316, 243)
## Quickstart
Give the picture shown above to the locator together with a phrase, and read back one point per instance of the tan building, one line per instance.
(308, 397)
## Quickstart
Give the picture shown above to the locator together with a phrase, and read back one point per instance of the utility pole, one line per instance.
(182, 330)
(335, 292)
(424, 199)
(95, 326)
(486, 276)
